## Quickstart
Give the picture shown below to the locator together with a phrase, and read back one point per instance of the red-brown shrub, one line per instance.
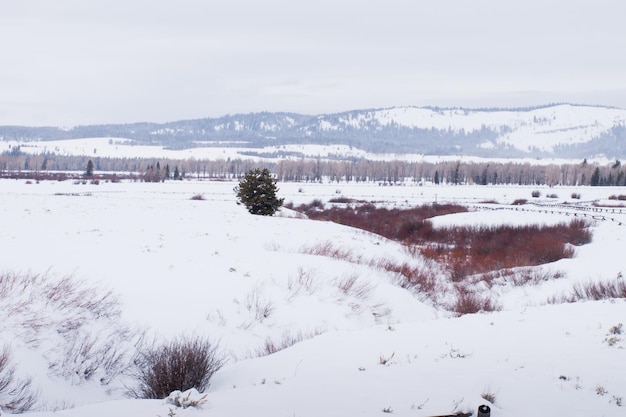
(468, 302)
(418, 279)
(620, 197)
(477, 250)
(465, 250)
(396, 224)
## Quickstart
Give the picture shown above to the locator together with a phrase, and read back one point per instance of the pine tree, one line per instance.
(483, 177)
(595, 177)
(89, 169)
(167, 174)
(257, 191)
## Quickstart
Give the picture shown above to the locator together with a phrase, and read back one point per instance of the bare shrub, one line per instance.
(575, 196)
(260, 307)
(85, 356)
(305, 281)
(421, 279)
(347, 200)
(532, 276)
(418, 279)
(181, 364)
(468, 250)
(16, 395)
(357, 295)
(599, 290)
(328, 249)
(519, 202)
(468, 302)
(593, 291)
(198, 197)
(394, 224)
(350, 286)
(620, 197)
(465, 250)
(70, 294)
(536, 194)
(80, 324)
(287, 340)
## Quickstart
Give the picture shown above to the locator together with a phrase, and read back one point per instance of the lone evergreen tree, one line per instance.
(89, 170)
(257, 191)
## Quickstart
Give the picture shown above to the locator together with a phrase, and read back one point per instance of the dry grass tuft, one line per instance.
(594, 291)
(287, 340)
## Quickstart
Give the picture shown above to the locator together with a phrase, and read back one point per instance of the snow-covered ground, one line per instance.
(205, 266)
(107, 147)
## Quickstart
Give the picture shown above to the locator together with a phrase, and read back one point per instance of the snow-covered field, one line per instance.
(107, 147)
(205, 266)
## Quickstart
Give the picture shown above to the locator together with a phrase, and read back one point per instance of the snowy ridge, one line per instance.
(565, 130)
(541, 129)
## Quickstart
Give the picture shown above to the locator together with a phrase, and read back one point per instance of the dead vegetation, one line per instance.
(467, 255)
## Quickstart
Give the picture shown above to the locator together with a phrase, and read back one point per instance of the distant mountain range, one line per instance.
(563, 131)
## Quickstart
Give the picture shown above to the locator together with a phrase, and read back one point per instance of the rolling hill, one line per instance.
(563, 131)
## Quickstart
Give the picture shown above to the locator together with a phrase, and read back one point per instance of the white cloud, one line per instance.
(123, 61)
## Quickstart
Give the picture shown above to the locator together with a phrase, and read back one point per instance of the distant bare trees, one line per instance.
(316, 170)
(451, 172)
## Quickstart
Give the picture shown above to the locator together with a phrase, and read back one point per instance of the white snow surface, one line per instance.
(185, 266)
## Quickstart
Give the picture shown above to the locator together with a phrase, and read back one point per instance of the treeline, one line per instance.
(307, 170)
(454, 172)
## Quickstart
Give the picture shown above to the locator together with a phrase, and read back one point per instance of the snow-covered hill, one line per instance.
(563, 131)
(367, 346)
(542, 129)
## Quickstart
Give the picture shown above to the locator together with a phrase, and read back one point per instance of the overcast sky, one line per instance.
(70, 62)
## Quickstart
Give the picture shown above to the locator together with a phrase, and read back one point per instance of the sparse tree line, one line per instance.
(452, 172)
(317, 170)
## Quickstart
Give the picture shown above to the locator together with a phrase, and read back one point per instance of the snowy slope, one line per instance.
(581, 131)
(542, 128)
(207, 266)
